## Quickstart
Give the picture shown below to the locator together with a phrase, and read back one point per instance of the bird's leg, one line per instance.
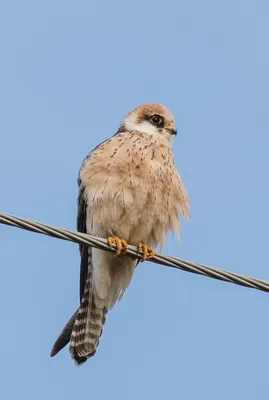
(120, 244)
(147, 251)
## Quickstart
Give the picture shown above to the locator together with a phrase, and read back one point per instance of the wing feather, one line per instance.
(80, 319)
(85, 251)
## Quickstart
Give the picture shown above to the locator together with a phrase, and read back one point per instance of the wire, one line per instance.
(162, 259)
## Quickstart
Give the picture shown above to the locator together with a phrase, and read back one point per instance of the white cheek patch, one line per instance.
(131, 124)
(146, 127)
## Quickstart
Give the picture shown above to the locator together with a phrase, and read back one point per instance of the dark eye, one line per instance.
(156, 120)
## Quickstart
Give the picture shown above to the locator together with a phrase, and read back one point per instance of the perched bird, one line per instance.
(129, 192)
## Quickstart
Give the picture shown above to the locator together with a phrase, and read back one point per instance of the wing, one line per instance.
(85, 251)
(82, 333)
(85, 280)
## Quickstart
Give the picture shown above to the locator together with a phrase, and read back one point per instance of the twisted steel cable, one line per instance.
(162, 259)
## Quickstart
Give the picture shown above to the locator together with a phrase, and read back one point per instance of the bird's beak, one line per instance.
(170, 126)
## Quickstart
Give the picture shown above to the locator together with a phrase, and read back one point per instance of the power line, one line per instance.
(82, 238)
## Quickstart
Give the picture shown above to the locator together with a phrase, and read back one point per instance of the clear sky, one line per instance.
(69, 72)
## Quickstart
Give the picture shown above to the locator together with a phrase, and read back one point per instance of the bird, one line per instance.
(130, 192)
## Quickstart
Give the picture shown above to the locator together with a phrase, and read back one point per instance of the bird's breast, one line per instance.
(130, 193)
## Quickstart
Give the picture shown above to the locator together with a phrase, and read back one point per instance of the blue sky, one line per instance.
(69, 73)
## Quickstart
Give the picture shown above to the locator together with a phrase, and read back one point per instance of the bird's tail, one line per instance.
(83, 329)
(86, 332)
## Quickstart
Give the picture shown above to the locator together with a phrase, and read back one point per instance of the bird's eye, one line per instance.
(156, 120)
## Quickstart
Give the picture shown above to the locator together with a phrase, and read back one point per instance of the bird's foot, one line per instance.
(147, 251)
(121, 245)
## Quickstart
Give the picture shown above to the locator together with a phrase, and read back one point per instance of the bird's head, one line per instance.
(151, 118)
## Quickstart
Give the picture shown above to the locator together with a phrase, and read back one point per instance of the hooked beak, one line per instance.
(170, 126)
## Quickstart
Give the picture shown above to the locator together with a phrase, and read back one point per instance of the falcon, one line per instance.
(130, 192)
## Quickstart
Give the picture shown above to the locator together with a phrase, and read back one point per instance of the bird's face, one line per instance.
(154, 119)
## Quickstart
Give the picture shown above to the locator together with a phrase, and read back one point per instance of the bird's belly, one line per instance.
(143, 220)
(150, 226)
(133, 213)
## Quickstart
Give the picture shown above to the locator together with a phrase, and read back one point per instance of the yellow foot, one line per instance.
(148, 251)
(120, 243)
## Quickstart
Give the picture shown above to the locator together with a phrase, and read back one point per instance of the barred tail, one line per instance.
(83, 330)
(86, 332)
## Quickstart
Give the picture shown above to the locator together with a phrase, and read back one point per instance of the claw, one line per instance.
(147, 251)
(120, 244)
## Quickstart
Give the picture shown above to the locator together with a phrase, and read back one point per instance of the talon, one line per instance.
(147, 251)
(121, 245)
